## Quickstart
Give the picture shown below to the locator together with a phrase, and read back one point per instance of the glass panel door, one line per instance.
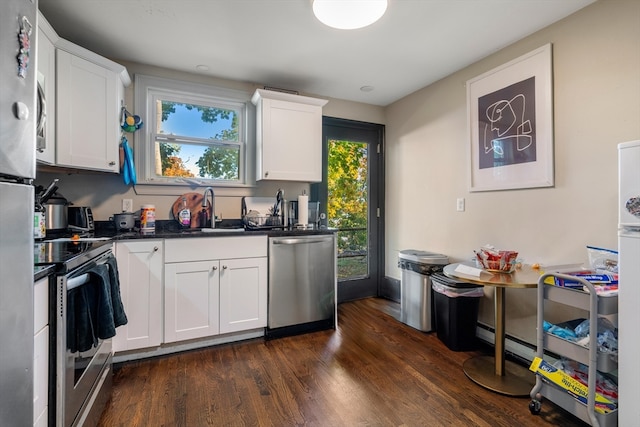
(348, 205)
(351, 195)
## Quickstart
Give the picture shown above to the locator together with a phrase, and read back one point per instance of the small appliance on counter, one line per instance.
(80, 218)
(124, 221)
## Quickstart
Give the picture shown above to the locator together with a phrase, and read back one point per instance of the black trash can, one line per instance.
(456, 312)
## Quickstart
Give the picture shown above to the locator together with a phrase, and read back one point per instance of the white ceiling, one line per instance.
(280, 43)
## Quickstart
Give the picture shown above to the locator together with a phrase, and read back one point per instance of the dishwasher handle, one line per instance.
(299, 240)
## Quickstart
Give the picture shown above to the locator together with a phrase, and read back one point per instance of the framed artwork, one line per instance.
(510, 111)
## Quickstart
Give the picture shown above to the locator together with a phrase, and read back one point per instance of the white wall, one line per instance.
(596, 71)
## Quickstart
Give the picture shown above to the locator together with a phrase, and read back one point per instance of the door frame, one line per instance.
(337, 128)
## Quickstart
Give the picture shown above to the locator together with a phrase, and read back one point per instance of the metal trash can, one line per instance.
(456, 312)
(416, 302)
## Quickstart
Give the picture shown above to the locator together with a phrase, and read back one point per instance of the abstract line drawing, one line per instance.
(510, 112)
(506, 118)
(506, 125)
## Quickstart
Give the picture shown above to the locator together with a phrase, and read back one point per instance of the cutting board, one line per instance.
(194, 203)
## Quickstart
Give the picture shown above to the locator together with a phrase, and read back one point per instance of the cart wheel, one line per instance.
(534, 406)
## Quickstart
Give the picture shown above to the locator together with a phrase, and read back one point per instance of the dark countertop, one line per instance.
(49, 255)
(170, 229)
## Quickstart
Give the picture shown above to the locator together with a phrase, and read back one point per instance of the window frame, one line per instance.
(148, 89)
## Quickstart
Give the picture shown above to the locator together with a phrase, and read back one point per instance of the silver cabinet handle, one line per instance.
(214, 268)
(112, 163)
(224, 267)
(155, 249)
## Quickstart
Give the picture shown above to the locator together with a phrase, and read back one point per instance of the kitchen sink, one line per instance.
(221, 230)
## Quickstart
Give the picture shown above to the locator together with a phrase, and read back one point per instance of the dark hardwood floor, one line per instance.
(371, 371)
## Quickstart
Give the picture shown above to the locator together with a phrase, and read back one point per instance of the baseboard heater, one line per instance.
(521, 350)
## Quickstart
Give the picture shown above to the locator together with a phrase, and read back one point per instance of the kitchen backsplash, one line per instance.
(104, 194)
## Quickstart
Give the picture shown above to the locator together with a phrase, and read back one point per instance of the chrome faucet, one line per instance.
(204, 217)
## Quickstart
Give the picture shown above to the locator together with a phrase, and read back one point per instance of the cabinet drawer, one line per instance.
(208, 248)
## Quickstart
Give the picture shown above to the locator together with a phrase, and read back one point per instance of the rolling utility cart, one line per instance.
(591, 357)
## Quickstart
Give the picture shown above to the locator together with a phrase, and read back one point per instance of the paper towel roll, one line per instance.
(303, 209)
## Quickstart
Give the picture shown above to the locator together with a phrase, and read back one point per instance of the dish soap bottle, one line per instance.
(184, 216)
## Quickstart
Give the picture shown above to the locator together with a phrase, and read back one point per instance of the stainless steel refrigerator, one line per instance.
(18, 112)
(629, 287)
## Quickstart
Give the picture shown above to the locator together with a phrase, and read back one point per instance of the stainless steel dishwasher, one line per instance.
(302, 284)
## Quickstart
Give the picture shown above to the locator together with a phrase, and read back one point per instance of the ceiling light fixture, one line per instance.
(349, 14)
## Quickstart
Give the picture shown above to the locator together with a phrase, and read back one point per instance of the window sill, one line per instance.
(162, 189)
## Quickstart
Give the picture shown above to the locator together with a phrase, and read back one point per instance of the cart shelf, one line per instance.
(596, 305)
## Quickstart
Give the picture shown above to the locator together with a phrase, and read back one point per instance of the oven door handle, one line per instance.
(81, 277)
(76, 282)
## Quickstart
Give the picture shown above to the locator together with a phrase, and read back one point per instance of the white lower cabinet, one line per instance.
(140, 265)
(41, 352)
(214, 286)
(191, 300)
(243, 294)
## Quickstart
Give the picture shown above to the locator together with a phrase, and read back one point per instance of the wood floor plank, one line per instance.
(371, 371)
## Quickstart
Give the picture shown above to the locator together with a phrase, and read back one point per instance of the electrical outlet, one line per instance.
(460, 204)
(127, 205)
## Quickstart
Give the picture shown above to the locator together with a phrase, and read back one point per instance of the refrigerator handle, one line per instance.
(42, 120)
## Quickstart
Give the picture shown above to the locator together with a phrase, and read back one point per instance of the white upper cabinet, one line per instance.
(289, 136)
(46, 51)
(89, 97)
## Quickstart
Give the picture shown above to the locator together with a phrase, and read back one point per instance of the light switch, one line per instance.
(460, 204)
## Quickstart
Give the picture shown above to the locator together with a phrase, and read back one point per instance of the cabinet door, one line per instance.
(243, 294)
(40, 352)
(46, 149)
(140, 269)
(291, 138)
(87, 114)
(191, 292)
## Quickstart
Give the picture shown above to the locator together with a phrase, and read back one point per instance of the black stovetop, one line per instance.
(68, 255)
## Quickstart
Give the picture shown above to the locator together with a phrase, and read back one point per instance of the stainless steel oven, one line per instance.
(83, 366)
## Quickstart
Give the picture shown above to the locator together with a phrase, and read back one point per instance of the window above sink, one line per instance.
(194, 135)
